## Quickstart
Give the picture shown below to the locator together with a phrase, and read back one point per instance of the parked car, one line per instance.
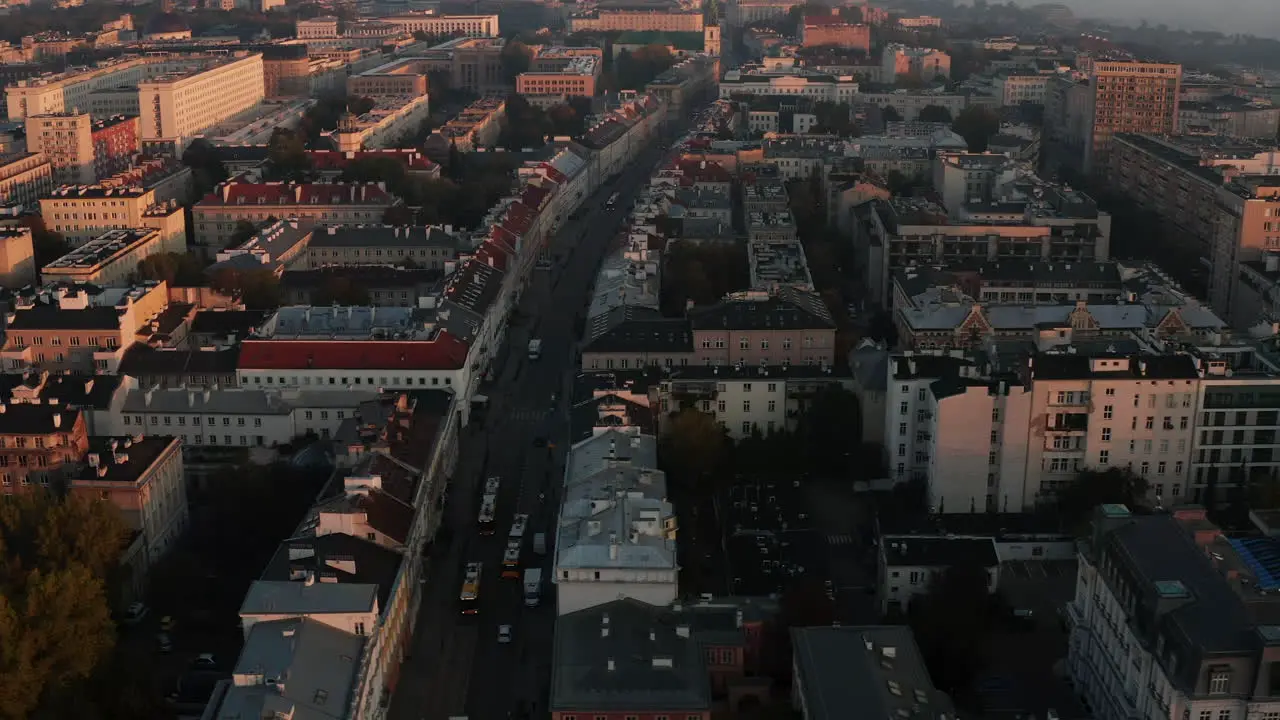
(164, 643)
(205, 661)
(504, 634)
(135, 614)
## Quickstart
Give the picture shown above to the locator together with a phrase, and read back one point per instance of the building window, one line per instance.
(1219, 680)
(1104, 457)
(1108, 411)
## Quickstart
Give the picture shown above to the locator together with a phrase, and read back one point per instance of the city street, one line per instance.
(457, 666)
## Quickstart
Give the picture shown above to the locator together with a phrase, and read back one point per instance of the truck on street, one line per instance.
(532, 587)
(540, 543)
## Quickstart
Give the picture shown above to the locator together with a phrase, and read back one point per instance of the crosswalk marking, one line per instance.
(526, 414)
(840, 539)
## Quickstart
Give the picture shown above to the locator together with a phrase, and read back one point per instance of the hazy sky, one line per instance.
(1258, 17)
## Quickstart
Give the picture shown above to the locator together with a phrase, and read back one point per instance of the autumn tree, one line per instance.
(180, 269)
(339, 290)
(287, 156)
(55, 619)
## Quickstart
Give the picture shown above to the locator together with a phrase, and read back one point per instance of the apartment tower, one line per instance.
(1129, 96)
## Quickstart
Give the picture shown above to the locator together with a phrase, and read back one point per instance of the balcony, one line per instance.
(694, 388)
(1067, 423)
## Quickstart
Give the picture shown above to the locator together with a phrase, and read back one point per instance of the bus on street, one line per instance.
(469, 599)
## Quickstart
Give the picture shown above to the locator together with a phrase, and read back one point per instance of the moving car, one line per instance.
(504, 634)
(164, 643)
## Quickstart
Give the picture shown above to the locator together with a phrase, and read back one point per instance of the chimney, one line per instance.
(57, 420)
(682, 631)
(311, 579)
(738, 618)
(611, 666)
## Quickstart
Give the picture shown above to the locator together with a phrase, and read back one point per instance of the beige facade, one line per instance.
(1233, 221)
(66, 139)
(1115, 89)
(215, 217)
(144, 479)
(668, 20)
(79, 332)
(173, 109)
(469, 25)
(401, 77)
(17, 257)
(927, 64)
(81, 214)
(25, 178)
(109, 260)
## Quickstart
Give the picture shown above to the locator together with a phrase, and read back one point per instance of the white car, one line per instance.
(504, 634)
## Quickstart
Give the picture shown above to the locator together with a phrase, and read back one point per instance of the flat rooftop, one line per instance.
(101, 250)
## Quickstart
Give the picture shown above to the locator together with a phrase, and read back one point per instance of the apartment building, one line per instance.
(176, 107)
(392, 119)
(1084, 115)
(79, 327)
(616, 533)
(477, 126)
(1168, 619)
(310, 204)
(17, 257)
(1231, 116)
(1035, 221)
(742, 399)
(880, 665)
(833, 30)
(688, 83)
(927, 64)
(404, 76)
(337, 348)
(1207, 192)
(1016, 283)
(143, 477)
(25, 178)
(909, 103)
(475, 26)
(109, 260)
(576, 77)
(908, 565)
(429, 247)
(816, 86)
(40, 446)
(80, 149)
(81, 213)
(1015, 88)
(473, 64)
(668, 19)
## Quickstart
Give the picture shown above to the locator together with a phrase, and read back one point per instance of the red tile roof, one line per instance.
(534, 197)
(492, 253)
(444, 352)
(503, 239)
(335, 160)
(824, 20)
(274, 193)
(713, 172)
(552, 173)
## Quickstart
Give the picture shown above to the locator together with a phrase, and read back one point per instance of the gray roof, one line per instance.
(382, 236)
(876, 669)
(314, 666)
(655, 667)
(282, 597)
(239, 401)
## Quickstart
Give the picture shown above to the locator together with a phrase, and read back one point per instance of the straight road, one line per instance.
(457, 667)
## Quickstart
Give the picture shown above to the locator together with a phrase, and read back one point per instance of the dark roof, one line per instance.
(127, 461)
(1078, 367)
(787, 310)
(382, 236)
(916, 551)
(386, 513)
(50, 317)
(876, 669)
(445, 351)
(366, 276)
(226, 322)
(608, 410)
(641, 640)
(141, 360)
(331, 558)
(630, 328)
(28, 419)
(80, 390)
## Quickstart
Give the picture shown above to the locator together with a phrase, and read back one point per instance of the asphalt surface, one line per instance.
(456, 666)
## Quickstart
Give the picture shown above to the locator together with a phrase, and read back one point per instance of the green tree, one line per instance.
(953, 623)
(360, 105)
(46, 245)
(976, 125)
(55, 618)
(243, 231)
(802, 604)
(258, 289)
(830, 430)
(179, 269)
(834, 118)
(565, 121)
(391, 171)
(693, 447)
(888, 113)
(636, 69)
(206, 166)
(934, 113)
(338, 290)
(1091, 488)
(287, 157)
(516, 58)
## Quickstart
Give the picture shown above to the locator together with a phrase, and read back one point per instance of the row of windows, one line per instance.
(292, 381)
(182, 421)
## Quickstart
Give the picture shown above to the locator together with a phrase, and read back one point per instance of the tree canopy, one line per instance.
(934, 113)
(976, 125)
(693, 447)
(636, 69)
(1091, 488)
(177, 269)
(953, 623)
(701, 273)
(287, 157)
(55, 617)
